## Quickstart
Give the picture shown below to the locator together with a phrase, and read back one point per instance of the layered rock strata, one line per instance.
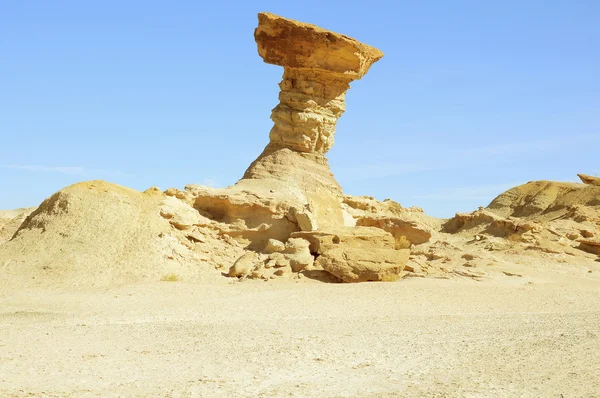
(290, 186)
(589, 180)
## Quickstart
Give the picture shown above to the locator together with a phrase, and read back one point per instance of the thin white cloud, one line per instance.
(69, 170)
(209, 182)
(525, 147)
(458, 158)
(382, 170)
(478, 192)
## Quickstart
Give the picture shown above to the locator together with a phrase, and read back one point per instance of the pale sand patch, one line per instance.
(417, 337)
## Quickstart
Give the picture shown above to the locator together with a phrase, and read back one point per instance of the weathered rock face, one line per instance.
(10, 220)
(409, 226)
(357, 254)
(590, 180)
(290, 185)
(318, 68)
(545, 199)
(97, 233)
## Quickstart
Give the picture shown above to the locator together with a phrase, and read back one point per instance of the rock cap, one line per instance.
(294, 44)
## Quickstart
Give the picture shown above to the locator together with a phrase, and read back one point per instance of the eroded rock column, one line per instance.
(318, 68)
(290, 186)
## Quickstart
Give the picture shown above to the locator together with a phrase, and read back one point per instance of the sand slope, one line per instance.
(97, 233)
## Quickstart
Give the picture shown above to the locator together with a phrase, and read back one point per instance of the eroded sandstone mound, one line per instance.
(95, 233)
(545, 199)
(542, 225)
(10, 220)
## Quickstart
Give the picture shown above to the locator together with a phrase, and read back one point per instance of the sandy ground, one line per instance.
(417, 337)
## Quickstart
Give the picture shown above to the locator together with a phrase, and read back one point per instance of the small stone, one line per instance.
(274, 246)
(298, 254)
(244, 265)
(282, 272)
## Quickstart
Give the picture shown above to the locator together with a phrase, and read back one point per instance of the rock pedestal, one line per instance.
(318, 66)
(290, 185)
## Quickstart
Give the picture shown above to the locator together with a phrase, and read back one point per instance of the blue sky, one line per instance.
(470, 99)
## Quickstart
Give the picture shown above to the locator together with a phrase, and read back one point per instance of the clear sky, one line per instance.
(471, 97)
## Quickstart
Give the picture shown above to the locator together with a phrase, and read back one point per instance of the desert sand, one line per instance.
(282, 285)
(419, 337)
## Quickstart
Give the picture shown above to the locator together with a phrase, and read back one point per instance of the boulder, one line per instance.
(244, 265)
(273, 246)
(298, 254)
(360, 265)
(403, 230)
(357, 254)
(358, 237)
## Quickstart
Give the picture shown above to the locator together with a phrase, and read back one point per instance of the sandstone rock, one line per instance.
(11, 220)
(359, 205)
(360, 265)
(462, 221)
(589, 246)
(469, 272)
(244, 265)
(273, 246)
(409, 226)
(294, 44)
(97, 233)
(277, 260)
(286, 271)
(290, 187)
(298, 254)
(490, 223)
(360, 237)
(400, 228)
(307, 221)
(318, 67)
(586, 233)
(590, 180)
(181, 215)
(357, 254)
(544, 200)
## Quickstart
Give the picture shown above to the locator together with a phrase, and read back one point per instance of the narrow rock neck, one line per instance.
(310, 103)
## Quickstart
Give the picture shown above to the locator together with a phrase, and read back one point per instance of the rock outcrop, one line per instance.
(290, 186)
(10, 220)
(409, 226)
(288, 195)
(357, 254)
(97, 233)
(589, 180)
(545, 199)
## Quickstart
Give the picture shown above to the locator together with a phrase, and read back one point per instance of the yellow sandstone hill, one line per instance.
(96, 233)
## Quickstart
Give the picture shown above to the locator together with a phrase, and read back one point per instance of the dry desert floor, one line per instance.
(413, 338)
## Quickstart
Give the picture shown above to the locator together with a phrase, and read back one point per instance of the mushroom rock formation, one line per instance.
(290, 186)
